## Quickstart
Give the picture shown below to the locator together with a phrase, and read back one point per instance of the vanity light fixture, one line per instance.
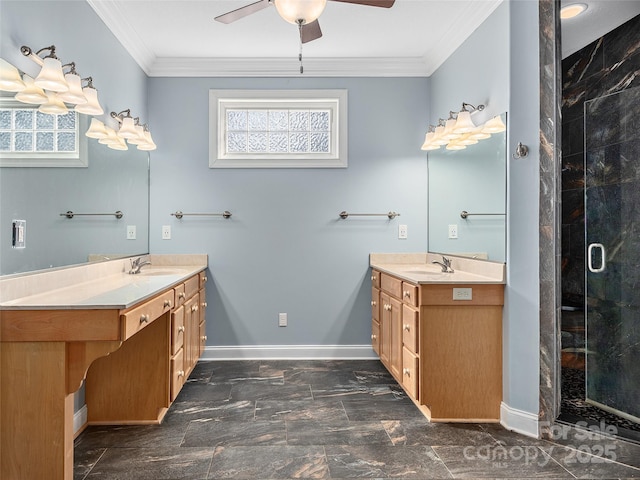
(131, 130)
(67, 87)
(10, 80)
(458, 130)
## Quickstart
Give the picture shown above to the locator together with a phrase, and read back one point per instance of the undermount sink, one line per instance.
(422, 271)
(151, 271)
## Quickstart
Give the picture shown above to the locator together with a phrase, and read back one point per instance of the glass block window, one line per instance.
(273, 128)
(32, 138)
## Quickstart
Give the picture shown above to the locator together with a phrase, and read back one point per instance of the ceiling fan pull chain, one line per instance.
(300, 54)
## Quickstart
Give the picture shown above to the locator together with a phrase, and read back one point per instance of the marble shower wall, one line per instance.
(609, 65)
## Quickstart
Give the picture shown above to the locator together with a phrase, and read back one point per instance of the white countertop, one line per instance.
(418, 269)
(110, 286)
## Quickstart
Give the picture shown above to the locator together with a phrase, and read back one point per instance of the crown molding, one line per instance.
(116, 21)
(289, 67)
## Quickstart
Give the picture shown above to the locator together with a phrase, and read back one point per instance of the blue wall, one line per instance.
(285, 248)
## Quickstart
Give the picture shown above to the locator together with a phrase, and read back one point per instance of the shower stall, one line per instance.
(612, 237)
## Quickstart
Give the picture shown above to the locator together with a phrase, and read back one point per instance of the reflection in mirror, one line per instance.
(473, 180)
(33, 233)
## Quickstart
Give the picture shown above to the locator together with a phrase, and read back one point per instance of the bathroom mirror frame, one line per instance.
(473, 180)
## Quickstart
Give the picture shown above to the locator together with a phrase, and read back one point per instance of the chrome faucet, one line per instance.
(445, 264)
(137, 264)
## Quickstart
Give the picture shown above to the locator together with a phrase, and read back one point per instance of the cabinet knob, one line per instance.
(204, 337)
(373, 337)
(181, 328)
(180, 373)
(204, 279)
(181, 295)
(373, 278)
(144, 318)
(387, 307)
(407, 293)
(406, 371)
(204, 305)
(373, 303)
(167, 304)
(194, 308)
(407, 327)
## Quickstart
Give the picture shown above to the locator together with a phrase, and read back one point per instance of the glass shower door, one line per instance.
(612, 228)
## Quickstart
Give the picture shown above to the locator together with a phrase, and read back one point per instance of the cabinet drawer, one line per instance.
(375, 304)
(136, 319)
(410, 373)
(203, 279)
(191, 286)
(177, 330)
(410, 294)
(375, 278)
(203, 306)
(391, 285)
(177, 373)
(375, 337)
(410, 328)
(181, 296)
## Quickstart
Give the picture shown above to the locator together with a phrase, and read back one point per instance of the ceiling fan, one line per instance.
(303, 13)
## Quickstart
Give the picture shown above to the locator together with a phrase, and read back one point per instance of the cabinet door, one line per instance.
(375, 337)
(395, 352)
(385, 329)
(192, 328)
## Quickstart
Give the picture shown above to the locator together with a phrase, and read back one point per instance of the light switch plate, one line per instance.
(282, 319)
(166, 232)
(453, 231)
(402, 232)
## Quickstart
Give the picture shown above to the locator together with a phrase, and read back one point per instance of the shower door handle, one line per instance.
(603, 262)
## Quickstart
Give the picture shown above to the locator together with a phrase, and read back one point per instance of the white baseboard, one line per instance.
(519, 421)
(79, 419)
(286, 352)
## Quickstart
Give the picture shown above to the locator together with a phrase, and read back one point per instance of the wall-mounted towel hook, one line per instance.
(521, 151)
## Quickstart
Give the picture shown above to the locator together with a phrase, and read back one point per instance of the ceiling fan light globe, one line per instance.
(295, 10)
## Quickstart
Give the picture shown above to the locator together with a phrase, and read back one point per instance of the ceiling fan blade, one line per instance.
(310, 31)
(371, 3)
(242, 12)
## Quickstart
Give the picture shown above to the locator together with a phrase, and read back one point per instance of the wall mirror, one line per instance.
(111, 181)
(473, 180)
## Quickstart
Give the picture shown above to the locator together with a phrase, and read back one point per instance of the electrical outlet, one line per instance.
(166, 232)
(453, 231)
(402, 232)
(462, 294)
(282, 319)
(131, 232)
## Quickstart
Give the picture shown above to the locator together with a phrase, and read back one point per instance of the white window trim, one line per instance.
(222, 100)
(47, 159)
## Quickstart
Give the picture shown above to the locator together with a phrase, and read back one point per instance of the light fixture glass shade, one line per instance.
(139, 138)
(466, 139)
(127, 128)
(438, 139)
(92, 107)
(53, 105)
(449, 132)
(32, 94)
(572, 10)
(51, 76)
(464, 123)
(495, 125)
(427, 140)
(455, 146)
(74, 94)
(110, 138)
(10, 80)
(294, 10)
(148, 144)
(479, 134)
(119, 145)
(97, 129)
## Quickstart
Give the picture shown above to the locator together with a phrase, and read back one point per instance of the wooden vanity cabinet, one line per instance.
(164, 343)
(445, 352)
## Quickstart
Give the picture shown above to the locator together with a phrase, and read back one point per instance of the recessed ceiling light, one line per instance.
(572, 10)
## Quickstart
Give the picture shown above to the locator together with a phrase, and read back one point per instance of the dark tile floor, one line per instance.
(329, 420)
